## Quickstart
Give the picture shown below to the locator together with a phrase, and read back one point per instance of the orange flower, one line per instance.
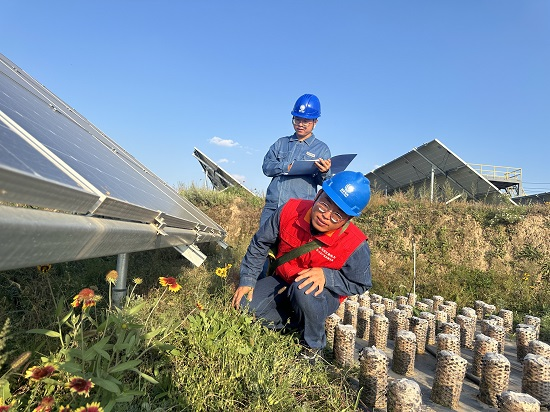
(45, 405)
(37, 373)
(200, 306)
(111, 277)
(87, 297)
(81, 386)
(90, 407)
(66, 408)
(171, 283)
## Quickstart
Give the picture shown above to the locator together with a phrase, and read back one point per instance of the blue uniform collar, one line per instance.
(309, 140)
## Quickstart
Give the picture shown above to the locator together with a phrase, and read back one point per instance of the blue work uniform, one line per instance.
(283, 187)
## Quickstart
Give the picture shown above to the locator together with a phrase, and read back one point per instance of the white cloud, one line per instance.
(223, 142)
(239, 178)
(223, 161)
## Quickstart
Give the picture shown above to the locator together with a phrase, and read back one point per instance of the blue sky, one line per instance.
(162, 77)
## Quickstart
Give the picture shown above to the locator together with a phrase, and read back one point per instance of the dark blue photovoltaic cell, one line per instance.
(94, 161)
(19, 155)
(99, 163)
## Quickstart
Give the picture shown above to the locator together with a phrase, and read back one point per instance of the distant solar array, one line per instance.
(95, 198)
(219, 178)
(532, 199)
(433, 167)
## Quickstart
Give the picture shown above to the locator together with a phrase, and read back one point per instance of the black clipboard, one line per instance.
(307, 167)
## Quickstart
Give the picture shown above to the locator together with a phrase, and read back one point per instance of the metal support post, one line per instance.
(414, 266)
(432, 185)
(119, 290)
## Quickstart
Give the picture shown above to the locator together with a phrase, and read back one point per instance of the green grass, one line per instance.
(202, 355)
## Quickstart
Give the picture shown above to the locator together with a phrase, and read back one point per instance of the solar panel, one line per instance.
(219, 178)
(433, 161)
(52, 157)
(532, 199)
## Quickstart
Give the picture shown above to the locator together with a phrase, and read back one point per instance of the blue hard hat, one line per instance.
(307, 106)
(350, 191)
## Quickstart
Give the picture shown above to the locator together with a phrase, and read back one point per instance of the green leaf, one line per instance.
(132, 340)
(103, 326)
(152, 334)
(120, 340)
(148, 378)
(4, 389)
(165, 346)
(89, 355)
(71, 367)
(100, 347)
(66, 317)
(135, 393)
(74, 353)
(101, 344)
(120, 347)
(109, 406)
(47, 332)
(106, 384)
(125, 365)
(102, 353)
(59, 308)
(124, 398)
(244, 350)
(136, 308)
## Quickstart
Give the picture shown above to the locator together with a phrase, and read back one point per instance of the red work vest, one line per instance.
(294, 231)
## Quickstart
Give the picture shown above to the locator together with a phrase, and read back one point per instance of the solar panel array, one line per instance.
(533, 199)
(416, 168)
(51, 157)
(219, 178)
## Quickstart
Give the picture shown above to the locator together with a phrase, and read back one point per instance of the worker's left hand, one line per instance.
(323, 165)
(314, 277)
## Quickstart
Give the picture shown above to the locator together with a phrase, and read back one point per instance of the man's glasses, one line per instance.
(335, 217)
(298, 120)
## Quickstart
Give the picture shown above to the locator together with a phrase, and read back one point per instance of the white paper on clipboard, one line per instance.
(307, 167)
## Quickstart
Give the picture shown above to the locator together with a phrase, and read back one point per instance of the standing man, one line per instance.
(304, 291)
(302, 145)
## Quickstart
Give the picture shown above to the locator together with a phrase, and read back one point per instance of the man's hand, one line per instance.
(323, 165)
(239, 293)
(314, 277)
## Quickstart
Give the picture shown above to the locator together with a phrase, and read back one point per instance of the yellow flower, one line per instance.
(111, 277)
(45, 405)
(170, 282)
(200, 306)
(44, 268)
(81, 386)
(222, 272)
(37, 373)
(138, 281)
(90, 407)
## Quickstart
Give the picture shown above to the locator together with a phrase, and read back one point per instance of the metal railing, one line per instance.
(498, 172)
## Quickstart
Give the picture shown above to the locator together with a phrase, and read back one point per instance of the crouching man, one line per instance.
(322, 258)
